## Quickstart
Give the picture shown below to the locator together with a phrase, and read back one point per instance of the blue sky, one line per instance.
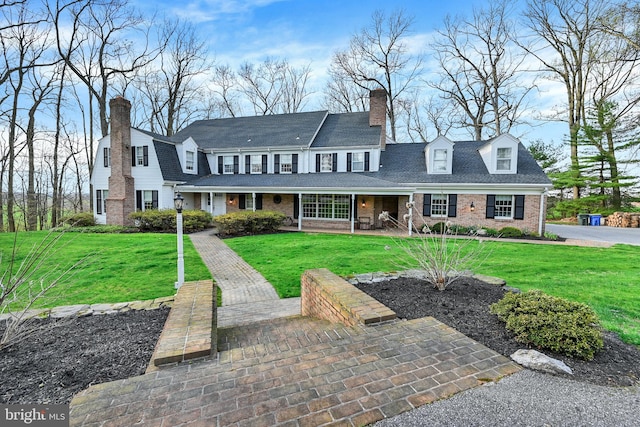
(309, 32)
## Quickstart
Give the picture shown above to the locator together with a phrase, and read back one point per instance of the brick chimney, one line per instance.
(121, 200)
(378, 113)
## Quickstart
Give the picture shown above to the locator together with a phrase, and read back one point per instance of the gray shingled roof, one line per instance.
(406, 163)
(273, 131)
(344, 180)
(170, 163)
(347, 130)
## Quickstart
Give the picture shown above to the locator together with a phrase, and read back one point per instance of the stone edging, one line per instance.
(84, 310)
(381, 276)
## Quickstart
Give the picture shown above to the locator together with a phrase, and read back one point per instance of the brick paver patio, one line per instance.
(300, 372)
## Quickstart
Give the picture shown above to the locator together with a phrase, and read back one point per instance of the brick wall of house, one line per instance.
(466, 217)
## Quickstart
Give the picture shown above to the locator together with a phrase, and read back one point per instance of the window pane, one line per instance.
(286, 163)
(326, 163)
(440, 160)
(341, 206)
(256, 164)
(504, 207)
(140, 156)
(357, 162)
(228, 164)
(190, 160)
(504, 159)
(148, 199)
(439, 205)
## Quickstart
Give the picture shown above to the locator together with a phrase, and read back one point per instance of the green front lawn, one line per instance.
(118, 268)
(607, 279)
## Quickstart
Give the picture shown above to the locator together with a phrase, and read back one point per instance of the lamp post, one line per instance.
(178, 202)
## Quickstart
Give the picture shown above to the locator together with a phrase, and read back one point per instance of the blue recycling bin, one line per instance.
(594, 219)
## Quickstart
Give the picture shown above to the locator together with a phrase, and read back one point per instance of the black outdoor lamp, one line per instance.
(178, 202)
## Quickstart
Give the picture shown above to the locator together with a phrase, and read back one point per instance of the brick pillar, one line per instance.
(121, 200)
(378, 112)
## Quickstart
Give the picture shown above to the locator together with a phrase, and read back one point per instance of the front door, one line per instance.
(219, 204)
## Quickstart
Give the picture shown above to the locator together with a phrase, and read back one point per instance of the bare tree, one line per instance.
(565, 29)
(173, 88)
(261, 85)
(379, 57)
(481, 70)
(341, 95)
(294, 88)
(226, 87)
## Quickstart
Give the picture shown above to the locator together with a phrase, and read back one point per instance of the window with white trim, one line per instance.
(326, 162)
(248, 202)
(107, 157)
(504, 207)
(256, 163)
(147, 199)
(439, 160)
(140, 156)
(228, 164)
(286, 163)
(325, 206)
(101, 201)
(503, 159)
(190, 162)
(357, 162)
(439, 204)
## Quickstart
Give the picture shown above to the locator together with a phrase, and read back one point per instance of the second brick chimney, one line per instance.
(121, 200)
(378, 113)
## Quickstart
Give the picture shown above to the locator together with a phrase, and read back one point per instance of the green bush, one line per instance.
(491, 232)
(81, 219)
(510, 232)
(249, 222)
(552, 323)
(164, 220)
(438, 227)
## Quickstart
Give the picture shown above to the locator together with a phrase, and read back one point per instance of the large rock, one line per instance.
(533, 359)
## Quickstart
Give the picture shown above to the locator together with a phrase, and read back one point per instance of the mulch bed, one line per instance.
(464, 306)
(51, 366)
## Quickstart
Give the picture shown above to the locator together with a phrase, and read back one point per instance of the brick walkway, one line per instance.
(300, 372)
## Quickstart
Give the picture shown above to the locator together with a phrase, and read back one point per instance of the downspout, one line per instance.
(353, 209)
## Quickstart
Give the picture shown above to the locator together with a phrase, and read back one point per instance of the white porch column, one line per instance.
(300, 212)
(541, 214)
(253, 197)
(410, 214)
(353, 212)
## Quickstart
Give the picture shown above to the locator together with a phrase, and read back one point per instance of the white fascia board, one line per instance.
(484, 188)
(316, 190)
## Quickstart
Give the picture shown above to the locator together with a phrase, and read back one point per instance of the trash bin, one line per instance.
(583, 219)
(594, 219)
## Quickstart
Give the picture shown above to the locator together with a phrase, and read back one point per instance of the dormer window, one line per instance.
(439, 156)
(256, 164)
(439, 160)
(503, 159)
(190, 161)
(228, 165)
(286, 163)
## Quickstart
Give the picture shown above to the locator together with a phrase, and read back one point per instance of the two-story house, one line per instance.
(323, 170)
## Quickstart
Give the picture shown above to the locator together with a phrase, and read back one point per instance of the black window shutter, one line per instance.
(133, 156)
(242, 202)
(264, 163)
(154, 199)
(317, 162)
(236, 165)
(259, 201)
(491, 205)
(105, 153)
(366, 161)
(145, 155)
(247, 164)
(426, 205)
(453, 202)
(294, 166)
(98, 201)
(519, 212)
(138, 200)
(334, 165)
(296, 206)
(276, 163)
(349, 158)
(220, 165)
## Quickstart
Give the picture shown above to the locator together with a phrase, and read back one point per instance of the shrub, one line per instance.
(552, 323)
(249, 222)
(510, 232)
(164, 220)
(490, 232)
(438, 227)
(551, 236)
(81, 219)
